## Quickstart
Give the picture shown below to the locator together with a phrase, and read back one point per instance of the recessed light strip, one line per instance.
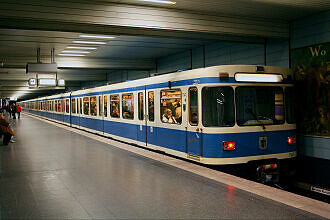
(159, 1)
(82, 48)
(71, 55)
(88, 42)
(97, 36)
(74, 51)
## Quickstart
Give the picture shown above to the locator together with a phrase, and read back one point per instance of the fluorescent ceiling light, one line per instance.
(97, 36)
(246, 77)
(159, 1)
(83, 48)
(88, 42)
(71, 55)
(74, 51)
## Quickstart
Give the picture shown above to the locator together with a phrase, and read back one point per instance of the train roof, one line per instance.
(213, 71)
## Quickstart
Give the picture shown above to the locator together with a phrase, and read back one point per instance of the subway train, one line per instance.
(220, 115)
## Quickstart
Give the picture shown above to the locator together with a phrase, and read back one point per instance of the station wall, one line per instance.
(273, 52)
(310, 30)
(117, 76)
(306, 32)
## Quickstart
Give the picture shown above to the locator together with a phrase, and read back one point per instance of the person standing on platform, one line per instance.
(14, 110)
(5, 130)
(10, 107)
(19, 110)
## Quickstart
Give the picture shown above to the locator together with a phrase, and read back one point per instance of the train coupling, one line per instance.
(268, 173)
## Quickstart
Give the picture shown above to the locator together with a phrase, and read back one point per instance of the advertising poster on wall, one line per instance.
(311, 66)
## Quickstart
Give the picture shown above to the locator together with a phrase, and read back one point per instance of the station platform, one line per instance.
(54, 171)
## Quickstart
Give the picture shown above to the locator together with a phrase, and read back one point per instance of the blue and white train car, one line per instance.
(229, 114)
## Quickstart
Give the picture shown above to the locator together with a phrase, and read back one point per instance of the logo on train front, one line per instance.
(263, 142)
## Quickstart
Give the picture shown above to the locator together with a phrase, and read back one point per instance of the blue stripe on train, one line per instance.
(247, 144)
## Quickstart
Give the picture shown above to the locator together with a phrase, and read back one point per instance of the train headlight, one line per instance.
(291, 140)
(228, 145)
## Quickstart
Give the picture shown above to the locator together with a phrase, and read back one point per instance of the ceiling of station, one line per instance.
(275, 9)
(143, 32)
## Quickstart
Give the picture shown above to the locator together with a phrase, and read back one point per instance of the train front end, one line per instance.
(249, 119)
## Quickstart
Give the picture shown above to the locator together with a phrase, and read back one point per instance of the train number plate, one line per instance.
(263, 142)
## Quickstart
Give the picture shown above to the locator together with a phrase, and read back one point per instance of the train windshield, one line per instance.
(218, 106)
(259, 105)
(289, 104)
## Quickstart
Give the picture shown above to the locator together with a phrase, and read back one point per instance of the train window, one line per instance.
(218, 106)
(259, 105)
(100, 106)
(140, 106)
(81, 106)
(171, 106)
(151, 106)
(128, 106)
(193, 106)
(67, 105)
(73, 105)
(289, 104)
(105, 99)
(59, 107)
(93, 106)
(114, 106)
(63, 105)
(78, 106)
(86, 106)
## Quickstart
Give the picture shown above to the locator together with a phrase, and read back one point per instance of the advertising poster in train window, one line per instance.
(311, 66)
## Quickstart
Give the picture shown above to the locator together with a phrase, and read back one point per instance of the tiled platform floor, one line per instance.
(54, 173)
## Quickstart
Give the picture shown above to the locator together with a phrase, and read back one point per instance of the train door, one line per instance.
(194, 131)
(100, 117)
(150, 117)
(66, 113)
(62, 110)
(105, 111)
(142, 119)
(74, 112)
(80, 111)
(70, 103)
